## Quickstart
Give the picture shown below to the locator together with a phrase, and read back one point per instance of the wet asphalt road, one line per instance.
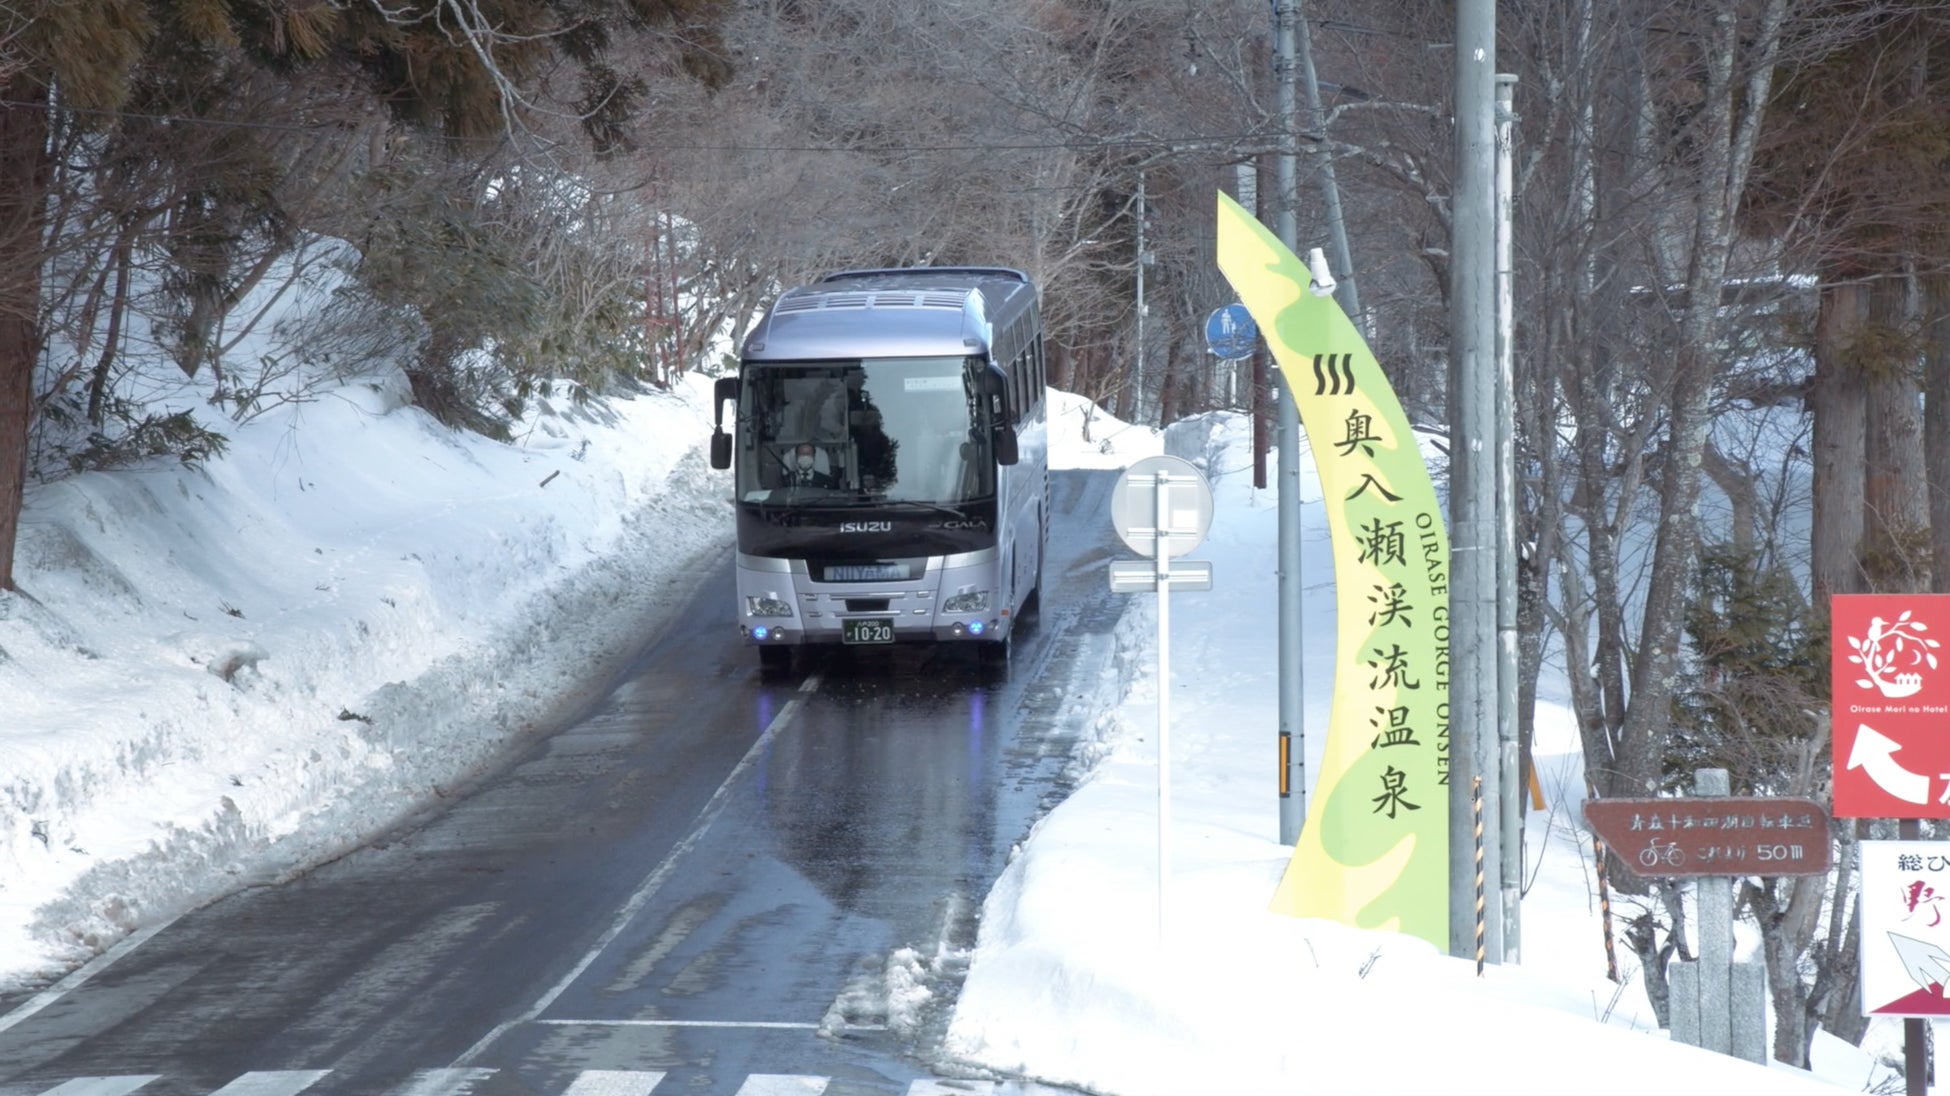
(711, 883)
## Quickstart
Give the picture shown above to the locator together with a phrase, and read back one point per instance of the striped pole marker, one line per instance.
(1476, 805)
(1602, 854)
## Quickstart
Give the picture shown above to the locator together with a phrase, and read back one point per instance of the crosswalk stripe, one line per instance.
(101, 1086)
(445, 1082)
(782, 1084)
(460, 1082)
(287, 1082)
(614, 1082)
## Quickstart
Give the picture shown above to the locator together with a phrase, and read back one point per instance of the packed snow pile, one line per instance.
(232, 670)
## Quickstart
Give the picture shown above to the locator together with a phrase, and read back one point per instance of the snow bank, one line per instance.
(218, 674)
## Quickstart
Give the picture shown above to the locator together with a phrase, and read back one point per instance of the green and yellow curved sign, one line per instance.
(1374, 850)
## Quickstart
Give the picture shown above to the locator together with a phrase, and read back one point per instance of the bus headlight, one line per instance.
(767, 605)
(967, 601)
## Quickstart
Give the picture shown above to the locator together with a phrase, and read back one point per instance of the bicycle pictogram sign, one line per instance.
(1714, 835)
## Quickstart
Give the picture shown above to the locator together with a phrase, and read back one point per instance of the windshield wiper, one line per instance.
(949, 509)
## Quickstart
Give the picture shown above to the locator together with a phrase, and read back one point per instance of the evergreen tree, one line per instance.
(1758, 678)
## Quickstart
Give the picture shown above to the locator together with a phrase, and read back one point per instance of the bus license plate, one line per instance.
(866, 631)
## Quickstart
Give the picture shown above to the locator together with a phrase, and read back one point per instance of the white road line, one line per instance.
(287, 1082)
(785, 1025)
(614, 1082)
(590, 1082)
(782, 1084)
(81, 974)
(100, 1086)
(778, 1025)
(653, 882)
(444, 1082)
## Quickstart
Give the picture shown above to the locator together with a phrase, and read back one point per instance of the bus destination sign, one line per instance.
(1714, 835)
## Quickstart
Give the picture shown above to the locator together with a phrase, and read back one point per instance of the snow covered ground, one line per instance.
(218, 675)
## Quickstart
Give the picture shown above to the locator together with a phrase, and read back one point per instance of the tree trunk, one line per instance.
(1669, 590)
(1726, 132)
(1840, 408)
(1642, 936)
(24, 174)
(1894, 495)
(1838, 968)
(1171, 388)
(1062, 366)
(118, 307)
(1603, 493)
(1744, 528)
(1787, 930)
(1936, 422)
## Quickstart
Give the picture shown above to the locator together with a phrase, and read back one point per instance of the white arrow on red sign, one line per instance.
(1875, 754)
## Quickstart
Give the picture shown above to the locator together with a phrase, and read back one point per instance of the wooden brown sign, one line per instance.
(1709, 835)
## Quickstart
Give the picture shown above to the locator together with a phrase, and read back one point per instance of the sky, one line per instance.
(217, 675)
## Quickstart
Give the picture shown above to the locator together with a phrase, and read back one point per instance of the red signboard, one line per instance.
(1891, 705)
(1722, 835)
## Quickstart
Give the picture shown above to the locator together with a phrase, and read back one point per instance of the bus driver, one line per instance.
(803, 472)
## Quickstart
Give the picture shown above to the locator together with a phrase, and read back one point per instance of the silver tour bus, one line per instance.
(891, 450)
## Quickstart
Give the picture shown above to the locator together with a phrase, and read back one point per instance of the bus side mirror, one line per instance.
(726, 389)
(1006, 452)
(995, 387)
(1002, 435)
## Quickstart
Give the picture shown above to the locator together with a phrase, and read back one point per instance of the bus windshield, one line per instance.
(879, 429)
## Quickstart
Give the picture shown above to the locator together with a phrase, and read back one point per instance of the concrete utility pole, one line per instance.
(1509, 754)
(1294, 62)
(1137, 375)
(1474, 858)
(1293, 713)
(1330, 188)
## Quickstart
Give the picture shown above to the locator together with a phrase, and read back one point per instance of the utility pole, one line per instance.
(1509, 755)
(1475, 927)
(1330, 188)
(1137, 401)
(1293, 713)
(1295, 57)
(1260, 369)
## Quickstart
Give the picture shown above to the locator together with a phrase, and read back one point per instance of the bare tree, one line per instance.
(1639, 128)
(437, 63)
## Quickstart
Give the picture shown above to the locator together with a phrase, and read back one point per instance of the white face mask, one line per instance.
(805, 462)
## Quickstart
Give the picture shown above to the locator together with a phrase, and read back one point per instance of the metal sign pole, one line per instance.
(1147, 517)
(1162, 562)
(1916, 1037)
(1291, 588)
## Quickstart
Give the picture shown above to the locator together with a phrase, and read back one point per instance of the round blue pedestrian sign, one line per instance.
(1230, 332)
